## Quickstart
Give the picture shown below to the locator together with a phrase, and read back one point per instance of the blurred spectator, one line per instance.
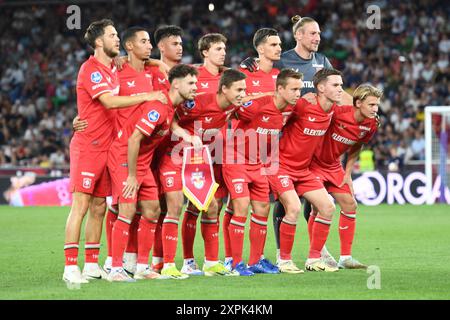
(418, 147)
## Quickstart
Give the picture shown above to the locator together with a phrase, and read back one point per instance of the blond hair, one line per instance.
(366, 90)
(299, 22)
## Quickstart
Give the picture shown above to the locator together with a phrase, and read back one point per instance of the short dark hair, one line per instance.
(167, 31)
(205, 42)
(96, 29)
(129, 34)
(182, 70)
(323, 74)
(285, 74)
(230, 76)
(262, 34)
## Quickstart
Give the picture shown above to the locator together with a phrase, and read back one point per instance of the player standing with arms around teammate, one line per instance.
(351, 127)
(97, 92)
(301, 136)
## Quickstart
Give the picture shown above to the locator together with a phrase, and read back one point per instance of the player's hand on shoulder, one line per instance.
(158, 95)
(120, 61)
(78, 124)
(250, 63)
(310, 97)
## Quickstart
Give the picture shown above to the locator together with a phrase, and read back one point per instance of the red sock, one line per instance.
(157, 242)
(347, 224)
(111, 217)
(146, 235)
(132, 245)
(226, 236)
(120, 235)
(210, 234)
(258, 232)
(287, 236)
(320, 232)
(71, 253)
(310, 226)
(170, 239)
(91, 251)
(236, 231)
(188, 229)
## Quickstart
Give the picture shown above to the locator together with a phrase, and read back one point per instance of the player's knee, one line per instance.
(328, 210)
(292, 211)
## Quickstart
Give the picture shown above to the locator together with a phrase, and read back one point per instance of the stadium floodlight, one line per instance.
(437, 159)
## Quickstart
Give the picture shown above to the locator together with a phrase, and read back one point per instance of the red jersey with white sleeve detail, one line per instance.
(303, 133)
(207, 82)
(132, 83)
(260, 81)
(261, 122)
(343, 133)
(152, 119)
(95, 79)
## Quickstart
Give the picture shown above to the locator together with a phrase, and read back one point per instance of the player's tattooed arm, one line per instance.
(134, 143)
(352, 156)
(183, 134)
(310, 97)
(347, 99)
(163, 67)
(78, 124)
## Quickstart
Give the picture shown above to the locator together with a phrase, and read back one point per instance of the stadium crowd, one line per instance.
(408, 57)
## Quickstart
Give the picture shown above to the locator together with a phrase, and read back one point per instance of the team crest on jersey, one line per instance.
(96, 77)
(189, 104)
(362, 134)
(238, 188)
(247, 104)
(285, 182)
(169, 182)
(87, 182)
(198, 179)
(153, 116)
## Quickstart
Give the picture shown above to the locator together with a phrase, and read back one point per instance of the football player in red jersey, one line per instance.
(248, 151)
(301, 136)
(198, 121)
(136, 77)
(129, 163)
(351, 127)
(212, 48)
(268, 45)
(97, 93)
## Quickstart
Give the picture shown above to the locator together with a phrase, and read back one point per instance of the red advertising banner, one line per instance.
(199, 185)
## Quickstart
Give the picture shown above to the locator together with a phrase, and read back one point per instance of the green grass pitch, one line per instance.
(409, 244)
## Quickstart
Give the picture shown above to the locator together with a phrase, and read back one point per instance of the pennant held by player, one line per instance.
(199, 185)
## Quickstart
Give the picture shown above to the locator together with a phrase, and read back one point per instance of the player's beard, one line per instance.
(110, 53)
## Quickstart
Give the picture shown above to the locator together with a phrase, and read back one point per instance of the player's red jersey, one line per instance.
(343, 133)
(95, 79)
(261, 122)
(202, 117)
(160, 82)
(303, 133)
(207, 82)
(132, 83)
(152, 119)
(260, 81)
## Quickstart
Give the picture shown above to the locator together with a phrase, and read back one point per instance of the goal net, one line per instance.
(437, 157)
